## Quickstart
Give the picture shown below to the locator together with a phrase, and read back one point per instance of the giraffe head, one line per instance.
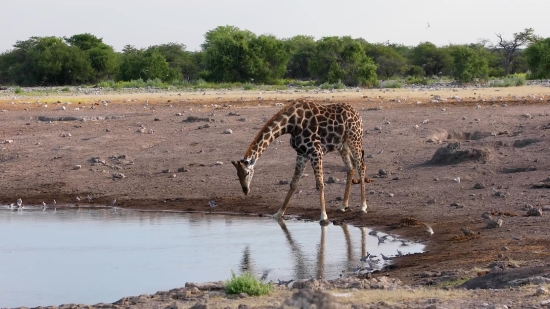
(245, 171)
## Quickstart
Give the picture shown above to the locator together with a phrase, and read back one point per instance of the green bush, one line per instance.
(246, 283)
(416, 80)
(18, 90)
(65, 89)
(509, 81)
(392, 84)
(249, 86)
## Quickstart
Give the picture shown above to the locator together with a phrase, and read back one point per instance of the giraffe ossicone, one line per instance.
(315, 129)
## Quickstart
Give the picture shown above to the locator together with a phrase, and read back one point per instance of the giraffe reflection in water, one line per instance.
(329, 259)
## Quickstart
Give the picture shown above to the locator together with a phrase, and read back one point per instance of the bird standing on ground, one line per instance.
(77, 200)
(212, 204)
(19, 204)
(44, 206)
(11, 205)
(89, 198)
(113, 202)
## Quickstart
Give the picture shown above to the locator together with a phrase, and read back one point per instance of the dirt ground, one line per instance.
(169, 163)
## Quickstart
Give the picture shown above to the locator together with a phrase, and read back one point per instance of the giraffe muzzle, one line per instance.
(246, 190)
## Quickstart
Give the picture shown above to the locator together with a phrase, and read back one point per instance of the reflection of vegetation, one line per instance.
(454, 283)
(246, 283)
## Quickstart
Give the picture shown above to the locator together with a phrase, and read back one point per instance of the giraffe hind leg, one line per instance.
(361, 168)
(350, 171)
(317, 163)
(298, 170)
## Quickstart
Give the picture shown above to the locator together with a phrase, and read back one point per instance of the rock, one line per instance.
(166, 171)
(541, 290)
(479, 186)
(8, 141)
(486, 215)
(283, 182)
(332, 180)
(377, 128)
(182, 169)
(203, 127)
(218, 163)
(534, 212)
(197, 119)
(118, 176)
(491, 224)
(199, 305)
(77, 167)
(382, 172)
(227, 131)
(308, 299)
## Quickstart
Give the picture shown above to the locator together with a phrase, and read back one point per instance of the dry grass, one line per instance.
(346, 297)
(398, 296)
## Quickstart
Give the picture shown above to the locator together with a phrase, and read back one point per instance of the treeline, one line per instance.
(230, 55)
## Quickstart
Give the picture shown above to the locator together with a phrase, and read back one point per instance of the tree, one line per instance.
(342, 59)
(234, 55)
(300, 49)
(143, 64)
(434, 61)
(538, 58)
(389, 61)
(271, 58)
(102, 57)
(469, 63)
(509, 48)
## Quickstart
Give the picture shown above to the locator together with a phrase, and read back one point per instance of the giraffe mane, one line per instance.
(260, 133)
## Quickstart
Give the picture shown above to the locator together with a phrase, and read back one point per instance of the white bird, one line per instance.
(212, 204)
(457, 179)
(429, 230)
(373, 233)
(385, 258)
(113, 202)
(54, 207)
(399, 253)
(44, 206)
(19, 204)
(365, 258)
(89, 198)
(77, 200)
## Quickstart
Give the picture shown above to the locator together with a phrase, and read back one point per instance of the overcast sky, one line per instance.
(146, 22)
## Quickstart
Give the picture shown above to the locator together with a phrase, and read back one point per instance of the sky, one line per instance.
(143, 23)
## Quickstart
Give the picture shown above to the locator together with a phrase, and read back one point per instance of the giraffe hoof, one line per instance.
(324, 222)
(362, 211)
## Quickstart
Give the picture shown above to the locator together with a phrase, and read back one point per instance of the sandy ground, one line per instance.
(169, 163)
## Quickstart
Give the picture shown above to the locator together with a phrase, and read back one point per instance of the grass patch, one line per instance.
(246, 283)
(392, 84)
(400, 295)
(454, 283)
(411, 80)
(515, 80)
(18, 90)
(65, 89)
(338, 85)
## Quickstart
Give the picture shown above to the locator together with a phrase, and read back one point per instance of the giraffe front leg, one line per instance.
(317, 163)
(362, 174)
(298, 170)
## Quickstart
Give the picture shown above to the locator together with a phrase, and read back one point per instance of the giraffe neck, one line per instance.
(275, 127)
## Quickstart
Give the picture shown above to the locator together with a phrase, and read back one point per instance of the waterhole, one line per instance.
(88, 256)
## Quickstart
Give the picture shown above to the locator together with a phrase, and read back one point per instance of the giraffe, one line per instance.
(315, 130)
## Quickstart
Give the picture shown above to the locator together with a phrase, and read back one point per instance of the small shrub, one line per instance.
(18, 90)
(416, 80)
(249, 86)
(65, 89)
(246, 283)
(509, 81)
(392, 84)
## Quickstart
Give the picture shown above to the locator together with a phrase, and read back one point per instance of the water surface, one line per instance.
(101, 255)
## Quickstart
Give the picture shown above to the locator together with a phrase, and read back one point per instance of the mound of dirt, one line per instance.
(468, 136)
(510, 278)
(453, 154)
